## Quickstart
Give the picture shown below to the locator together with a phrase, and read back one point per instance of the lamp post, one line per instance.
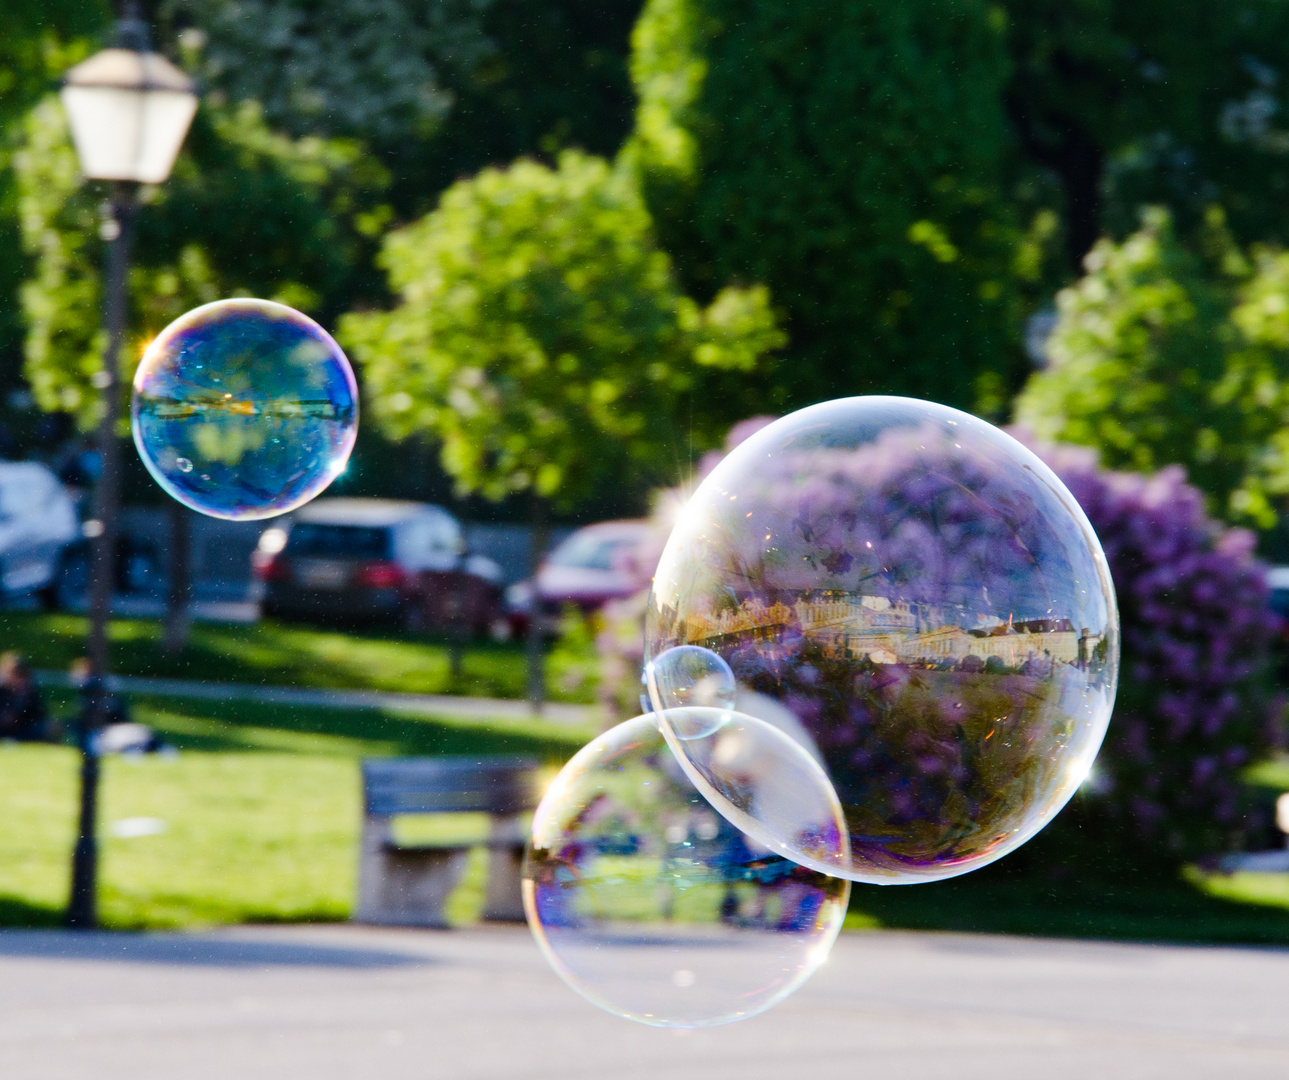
(129, 109)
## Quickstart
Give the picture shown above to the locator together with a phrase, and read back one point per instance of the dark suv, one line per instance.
(376, 559)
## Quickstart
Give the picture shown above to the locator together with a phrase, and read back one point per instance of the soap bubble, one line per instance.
(928, 601)
(655, 907)
(689, 675)
(244, 409)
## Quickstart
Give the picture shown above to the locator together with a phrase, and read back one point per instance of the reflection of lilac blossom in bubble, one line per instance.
(930, 603)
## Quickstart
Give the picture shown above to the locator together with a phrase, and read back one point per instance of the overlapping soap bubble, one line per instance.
(244, 409)
(881, 646)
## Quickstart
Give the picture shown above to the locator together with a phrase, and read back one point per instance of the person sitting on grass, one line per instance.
(104, 717)
(23, 716)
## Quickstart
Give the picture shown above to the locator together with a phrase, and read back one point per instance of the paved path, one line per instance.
(418, 704)
(346, 1003)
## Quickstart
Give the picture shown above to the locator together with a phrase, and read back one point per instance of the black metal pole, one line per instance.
(82, 910)
(82, 907)
(536, 645)
(174, 635)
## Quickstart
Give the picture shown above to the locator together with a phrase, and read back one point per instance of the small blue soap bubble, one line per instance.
(244, 409)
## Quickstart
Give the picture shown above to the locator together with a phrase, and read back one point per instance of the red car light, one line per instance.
(380, 575)
(268, 567)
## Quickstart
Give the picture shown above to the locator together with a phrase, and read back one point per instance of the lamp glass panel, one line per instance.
(107, 126)
(166, 116)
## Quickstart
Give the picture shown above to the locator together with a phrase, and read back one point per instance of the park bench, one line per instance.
(408, 885)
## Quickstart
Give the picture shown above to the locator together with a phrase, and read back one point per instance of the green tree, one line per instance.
(542, 339)
(437, 90)
(1153, 102)
(246, 212)
(849, 155)
(556, 77)
(39, 40)
(1165, 355)
(362, 68)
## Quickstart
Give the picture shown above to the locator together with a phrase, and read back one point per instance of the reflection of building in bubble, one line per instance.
(213, 406)
(883, 631)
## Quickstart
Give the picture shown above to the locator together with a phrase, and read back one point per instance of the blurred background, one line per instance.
(577, 250)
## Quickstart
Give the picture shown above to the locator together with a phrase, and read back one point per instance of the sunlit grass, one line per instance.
(261, 807)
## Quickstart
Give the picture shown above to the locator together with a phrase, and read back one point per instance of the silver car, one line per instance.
(38, 527)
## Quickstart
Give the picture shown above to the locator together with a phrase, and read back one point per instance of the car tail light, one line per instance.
(270, 567)
(380, 575)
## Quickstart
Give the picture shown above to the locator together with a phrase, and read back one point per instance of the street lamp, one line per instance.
(129, 110)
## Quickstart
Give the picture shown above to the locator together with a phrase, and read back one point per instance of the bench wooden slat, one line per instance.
(448, 785)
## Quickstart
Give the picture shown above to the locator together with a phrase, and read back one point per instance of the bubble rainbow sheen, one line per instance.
(244, 409)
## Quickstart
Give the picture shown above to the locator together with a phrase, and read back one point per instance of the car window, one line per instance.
(339, 541)
(590, 552)
(445, 534)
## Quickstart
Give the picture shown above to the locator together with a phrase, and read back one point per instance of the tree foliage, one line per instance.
(39, 40)
(848, 155)
(1171, 104)
(1161, 355)
(541, 336)
(555, 77)
(367, 68)
(246, 212)
(437, 90)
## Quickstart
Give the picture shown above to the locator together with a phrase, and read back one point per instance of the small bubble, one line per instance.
(279, 433)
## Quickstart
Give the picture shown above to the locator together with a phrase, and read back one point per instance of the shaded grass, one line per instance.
(272, 653)
(247, 725)
(243, 726)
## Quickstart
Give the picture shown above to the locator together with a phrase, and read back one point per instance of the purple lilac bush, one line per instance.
(1193, 706)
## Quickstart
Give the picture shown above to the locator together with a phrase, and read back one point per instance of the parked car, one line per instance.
(588, 569)
(377, 559)
(38, 530)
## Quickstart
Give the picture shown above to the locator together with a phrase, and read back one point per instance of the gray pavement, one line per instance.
(349, 1003)
(414, 704)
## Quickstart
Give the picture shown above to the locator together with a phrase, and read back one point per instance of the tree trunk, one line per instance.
(1061, 143)
(536, 619)
(178, 611)
(457, 628)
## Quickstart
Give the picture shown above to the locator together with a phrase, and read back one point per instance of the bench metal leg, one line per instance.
(404, 887)
(503, 901)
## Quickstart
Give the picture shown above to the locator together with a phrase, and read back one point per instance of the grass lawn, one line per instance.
(261, 812)
(273, 653)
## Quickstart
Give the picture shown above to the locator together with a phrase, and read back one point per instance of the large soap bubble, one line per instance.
(244, 409)
(652, 905)
(927, 599)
